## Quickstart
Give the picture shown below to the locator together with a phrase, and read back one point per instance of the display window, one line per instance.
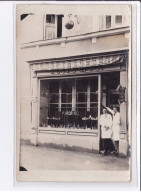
(73, 103)
(69, 103)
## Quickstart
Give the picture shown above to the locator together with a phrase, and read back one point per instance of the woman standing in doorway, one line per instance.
(106, 123)
(115, 127)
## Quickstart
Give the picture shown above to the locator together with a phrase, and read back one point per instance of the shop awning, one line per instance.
(78, 63)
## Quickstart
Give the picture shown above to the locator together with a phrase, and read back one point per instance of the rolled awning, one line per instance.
(78, 63)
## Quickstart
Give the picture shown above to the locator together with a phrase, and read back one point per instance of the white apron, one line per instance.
(106, 121)
(116, 127)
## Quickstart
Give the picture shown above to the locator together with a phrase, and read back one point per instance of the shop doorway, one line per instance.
(110, 96)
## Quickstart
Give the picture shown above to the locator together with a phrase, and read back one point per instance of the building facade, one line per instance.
(72, 66)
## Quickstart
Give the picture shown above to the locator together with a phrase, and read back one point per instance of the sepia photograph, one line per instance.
(73, 92)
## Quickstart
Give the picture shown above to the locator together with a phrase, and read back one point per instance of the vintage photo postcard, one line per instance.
(73, 92)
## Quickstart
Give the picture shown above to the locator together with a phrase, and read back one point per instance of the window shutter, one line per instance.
(50, 32)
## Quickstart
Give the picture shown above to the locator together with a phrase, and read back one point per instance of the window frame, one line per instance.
(102, 22)
(56, 26)
(73, 78)
(116, 23)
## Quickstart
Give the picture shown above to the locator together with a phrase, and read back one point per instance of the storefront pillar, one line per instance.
(34, 110)
(123, 143)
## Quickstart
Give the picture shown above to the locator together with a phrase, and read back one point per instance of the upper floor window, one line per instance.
(118, 19)
(50, 19)
(110, 21)
(52, 26)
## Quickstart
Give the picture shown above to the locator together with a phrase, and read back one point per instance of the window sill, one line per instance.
(69, 132)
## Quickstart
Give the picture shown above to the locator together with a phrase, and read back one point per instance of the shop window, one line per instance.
(81, 102)
(73, 103)
(43, 103)
(69, 103)
(81, 91)
(66, 95)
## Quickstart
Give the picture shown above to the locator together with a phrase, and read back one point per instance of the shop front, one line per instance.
(69, 94)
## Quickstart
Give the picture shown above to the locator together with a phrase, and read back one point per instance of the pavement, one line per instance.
(44, 158)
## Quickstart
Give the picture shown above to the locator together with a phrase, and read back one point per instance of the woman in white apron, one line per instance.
(115, 127)
(106, 132)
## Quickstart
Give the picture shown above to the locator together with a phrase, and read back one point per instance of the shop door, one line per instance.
(110, 96)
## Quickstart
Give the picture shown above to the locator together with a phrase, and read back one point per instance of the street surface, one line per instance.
(43, 158)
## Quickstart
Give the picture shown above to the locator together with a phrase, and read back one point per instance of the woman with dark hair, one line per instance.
(106, 123)
(115, 127)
